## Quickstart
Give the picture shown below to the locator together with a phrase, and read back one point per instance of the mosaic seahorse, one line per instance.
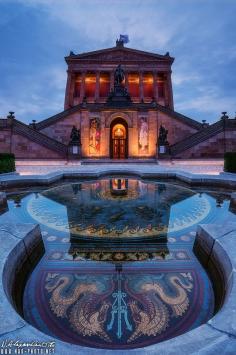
(180, 302)
(62, 296)
(154, 317)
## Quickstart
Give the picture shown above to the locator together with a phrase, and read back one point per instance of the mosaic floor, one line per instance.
(98, 293)
(118, 305)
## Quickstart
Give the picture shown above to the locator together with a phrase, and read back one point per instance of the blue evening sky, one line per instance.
(35, 35)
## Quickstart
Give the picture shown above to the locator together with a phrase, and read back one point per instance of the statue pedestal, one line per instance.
(163, 152)
(119, 95)
(74, 150)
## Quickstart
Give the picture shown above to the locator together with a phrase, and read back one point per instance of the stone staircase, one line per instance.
(197, 138)
(39, 138)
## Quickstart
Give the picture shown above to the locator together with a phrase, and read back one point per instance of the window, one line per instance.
(104, 84)
(148, 85)
(77, 87)
(90, 84)
(133, 80)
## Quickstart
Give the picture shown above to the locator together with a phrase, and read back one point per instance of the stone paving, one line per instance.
(211, 167)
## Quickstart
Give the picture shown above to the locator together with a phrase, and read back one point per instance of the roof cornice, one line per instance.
(87, 55)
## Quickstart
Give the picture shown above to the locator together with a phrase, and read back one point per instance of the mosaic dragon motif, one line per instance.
(83, 297)
(154, 318)
(180, 302)
(153, 300)
(151, 322)
(87, 322)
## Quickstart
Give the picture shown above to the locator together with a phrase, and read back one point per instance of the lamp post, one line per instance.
(224, 118)
(10, 121)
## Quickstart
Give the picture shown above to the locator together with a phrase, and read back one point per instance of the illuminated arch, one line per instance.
(126, 117)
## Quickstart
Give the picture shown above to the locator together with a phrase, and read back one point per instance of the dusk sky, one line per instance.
(35, 35)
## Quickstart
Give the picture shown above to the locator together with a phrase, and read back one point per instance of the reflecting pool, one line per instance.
(118, 271)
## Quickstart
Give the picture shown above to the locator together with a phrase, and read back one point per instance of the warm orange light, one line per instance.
(148, 80)
(134, 81)
(133, 78)
(104, 80)
(90, 80)
(118, 131)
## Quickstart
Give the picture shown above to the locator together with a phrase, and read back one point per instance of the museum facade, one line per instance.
(118, 105)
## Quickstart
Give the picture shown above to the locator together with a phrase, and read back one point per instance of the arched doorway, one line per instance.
(119, 139)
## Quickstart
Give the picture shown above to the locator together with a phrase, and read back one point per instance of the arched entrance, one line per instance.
(119, 139)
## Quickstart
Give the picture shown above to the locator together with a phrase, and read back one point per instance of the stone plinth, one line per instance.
(3, 199)
(233, 202)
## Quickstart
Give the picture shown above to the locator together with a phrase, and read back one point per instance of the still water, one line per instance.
(118, 271)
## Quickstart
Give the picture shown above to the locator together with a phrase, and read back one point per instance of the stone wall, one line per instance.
(176, 130)
(24, 148)
(61, 130)
(5, 141)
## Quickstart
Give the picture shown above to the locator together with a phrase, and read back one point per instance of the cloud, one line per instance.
(179, 78)
(199, 33)
(35, 97)
(99, 21)
(209, 103)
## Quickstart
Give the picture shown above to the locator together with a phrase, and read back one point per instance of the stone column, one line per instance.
(97, 85)
(82, 89)
(127, 80)
(112, 80)
(166, 91)
(155, 87)
(72, 90)
(67, 94)
(169, 90)
(141, 85)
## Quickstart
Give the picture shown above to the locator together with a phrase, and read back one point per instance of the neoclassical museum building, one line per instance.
(118, 105)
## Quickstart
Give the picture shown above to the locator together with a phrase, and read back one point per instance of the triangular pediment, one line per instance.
(119, 54)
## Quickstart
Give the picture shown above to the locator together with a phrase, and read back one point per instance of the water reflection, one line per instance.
(119, 208)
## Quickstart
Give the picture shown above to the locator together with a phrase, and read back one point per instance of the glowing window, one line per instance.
(104, 84)
(90, 85)
(148, 85)
(133, 80)
(77, 87)
(119, 131)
